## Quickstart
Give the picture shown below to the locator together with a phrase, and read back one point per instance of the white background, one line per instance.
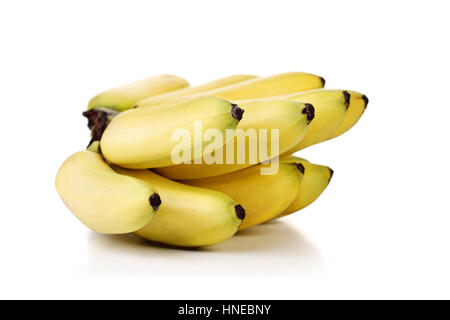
(380, 230)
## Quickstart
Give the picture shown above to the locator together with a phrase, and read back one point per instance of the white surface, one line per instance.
(380, 230)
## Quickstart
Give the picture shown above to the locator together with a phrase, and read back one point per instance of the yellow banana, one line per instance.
(336, 111)
(144, 138)
(315, 179)
(167, 97)
(124, 97)
(357, 106)
(290, 118)
(189, 216)
(102, 199)
(264, 197)
(276, 85)
(331, 109)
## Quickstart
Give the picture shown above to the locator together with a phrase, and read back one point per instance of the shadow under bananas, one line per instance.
(273, 247)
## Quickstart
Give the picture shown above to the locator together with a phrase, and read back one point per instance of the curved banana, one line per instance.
(276, 85)
(264, 197)
(167, 97)
(331, 109)
(336, 112)
(102, 199)
(357, 106)
(124, 97)
(315, 179)
(290, 118)
(144, 138)
(189, 216)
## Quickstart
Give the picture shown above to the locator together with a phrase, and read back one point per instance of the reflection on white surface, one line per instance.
(251, 252)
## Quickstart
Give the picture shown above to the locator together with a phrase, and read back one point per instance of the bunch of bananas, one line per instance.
(127, 181)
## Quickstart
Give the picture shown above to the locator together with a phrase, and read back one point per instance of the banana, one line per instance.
(276, 85)
(291, 119)
(336, 111)
(167, 97)
(124, 97)
(315, 179)
(357, 106)
(143, 138)
(264, 197)
(102, 199)
(188, 216)
(331, 109)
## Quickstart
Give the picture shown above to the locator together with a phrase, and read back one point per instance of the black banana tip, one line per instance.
(300, 167)
(155, 201)
(323, 81)
(331, 174)
(346, 99)
(236, 112)
(240, 212)
(366, 100)
(309, 111)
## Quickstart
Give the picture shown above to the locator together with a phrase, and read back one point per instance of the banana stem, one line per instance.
(98, 120)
